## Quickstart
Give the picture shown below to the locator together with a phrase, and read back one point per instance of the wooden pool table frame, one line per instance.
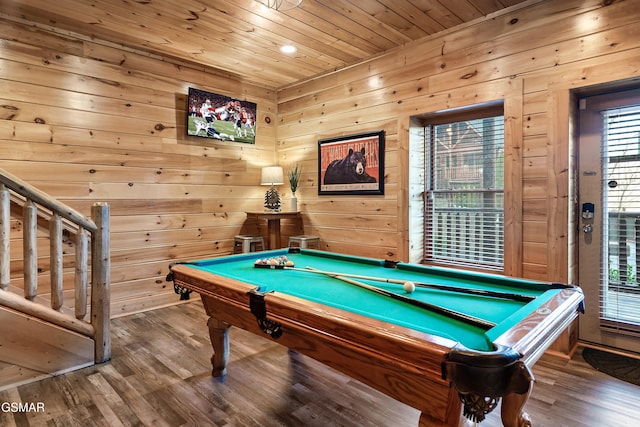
(405, 364)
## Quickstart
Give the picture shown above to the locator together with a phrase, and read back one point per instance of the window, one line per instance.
(464, 203)
(621, 200)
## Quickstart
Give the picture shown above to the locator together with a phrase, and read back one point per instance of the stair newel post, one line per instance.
(5, 237)
(100, 282)
(30, 244)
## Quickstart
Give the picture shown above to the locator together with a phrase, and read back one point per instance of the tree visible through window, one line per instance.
(464, 207)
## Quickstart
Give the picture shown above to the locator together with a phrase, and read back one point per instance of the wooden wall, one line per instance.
(85, 122)
(531, 58)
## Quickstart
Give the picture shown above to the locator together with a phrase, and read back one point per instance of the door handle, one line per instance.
(588, 212)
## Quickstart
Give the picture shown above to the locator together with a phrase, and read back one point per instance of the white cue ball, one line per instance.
(409, 287)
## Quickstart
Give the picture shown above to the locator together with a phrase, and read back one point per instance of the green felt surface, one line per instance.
(336, 293)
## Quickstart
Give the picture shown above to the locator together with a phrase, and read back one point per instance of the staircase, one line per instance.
(44, 327)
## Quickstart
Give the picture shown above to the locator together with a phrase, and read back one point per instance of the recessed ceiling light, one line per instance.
(287, 48)
(280, 4)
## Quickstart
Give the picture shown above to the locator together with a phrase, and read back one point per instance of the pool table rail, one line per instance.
(539, 330)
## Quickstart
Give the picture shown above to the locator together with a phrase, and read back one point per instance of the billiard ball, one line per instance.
(409, 287)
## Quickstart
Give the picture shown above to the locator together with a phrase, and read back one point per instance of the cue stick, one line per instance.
(461, 290)
(471, 320)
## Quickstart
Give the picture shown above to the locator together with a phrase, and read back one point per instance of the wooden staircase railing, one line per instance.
(39, 211)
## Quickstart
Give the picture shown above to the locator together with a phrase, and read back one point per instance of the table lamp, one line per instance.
(272, 175)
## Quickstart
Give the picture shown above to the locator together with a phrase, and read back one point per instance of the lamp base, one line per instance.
(272, 201)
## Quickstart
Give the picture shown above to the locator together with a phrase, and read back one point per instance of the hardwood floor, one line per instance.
(160, 376)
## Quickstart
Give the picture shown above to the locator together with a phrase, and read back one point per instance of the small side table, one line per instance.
(273, 224)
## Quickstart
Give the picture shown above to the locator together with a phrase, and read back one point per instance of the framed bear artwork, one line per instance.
(352, 164)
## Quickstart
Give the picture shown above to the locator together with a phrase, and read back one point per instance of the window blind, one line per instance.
(620, 292)
(464, 207)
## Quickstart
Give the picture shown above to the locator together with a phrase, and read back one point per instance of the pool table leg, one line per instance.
(512, 410)
(219, 334)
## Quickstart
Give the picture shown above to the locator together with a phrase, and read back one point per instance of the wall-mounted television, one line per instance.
(220, 117)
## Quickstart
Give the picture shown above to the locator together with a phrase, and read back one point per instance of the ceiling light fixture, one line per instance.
(288, 48)
(280, 5)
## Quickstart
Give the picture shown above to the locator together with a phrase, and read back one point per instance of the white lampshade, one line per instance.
(272, 175)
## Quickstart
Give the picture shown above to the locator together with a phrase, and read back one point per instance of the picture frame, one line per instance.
(351, 164)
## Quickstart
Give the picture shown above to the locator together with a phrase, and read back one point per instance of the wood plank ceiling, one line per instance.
(241, 39)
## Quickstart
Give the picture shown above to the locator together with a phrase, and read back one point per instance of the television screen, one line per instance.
(220, 117)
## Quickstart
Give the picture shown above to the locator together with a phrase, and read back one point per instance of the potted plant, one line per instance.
(294, 180)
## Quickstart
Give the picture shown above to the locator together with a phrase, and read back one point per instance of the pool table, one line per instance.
(453, 359)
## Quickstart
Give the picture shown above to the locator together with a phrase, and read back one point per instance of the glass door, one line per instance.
(609, 188)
